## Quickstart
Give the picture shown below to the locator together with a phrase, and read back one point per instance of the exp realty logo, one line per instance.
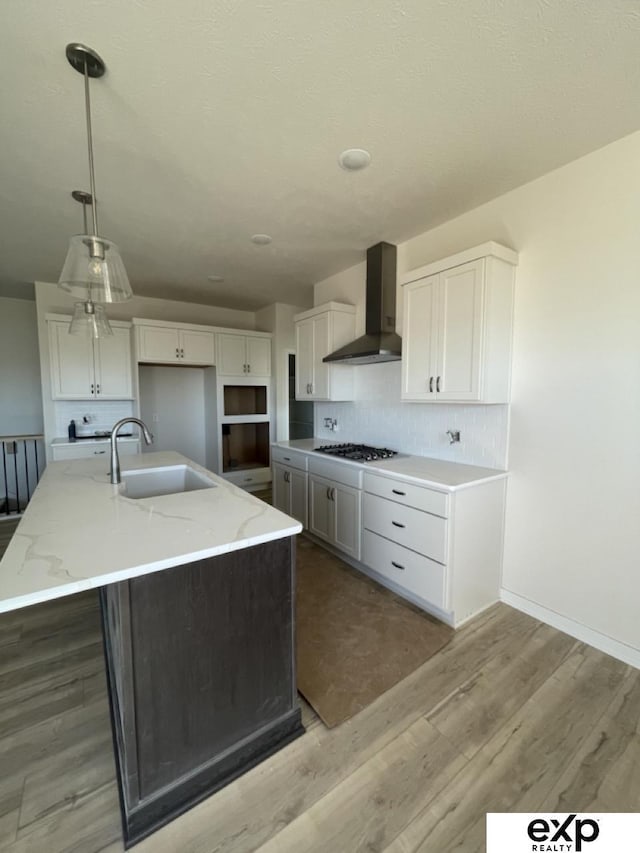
(561, 833)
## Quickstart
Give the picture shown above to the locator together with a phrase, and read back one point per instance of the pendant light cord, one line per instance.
(92, 179)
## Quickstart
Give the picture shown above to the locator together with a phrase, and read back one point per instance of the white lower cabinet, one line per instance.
(334, 514)
(443, 551)
(289, 491)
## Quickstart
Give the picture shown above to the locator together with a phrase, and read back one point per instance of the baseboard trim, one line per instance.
(602, 642)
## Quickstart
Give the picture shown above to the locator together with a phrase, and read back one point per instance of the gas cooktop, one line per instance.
(356, 452)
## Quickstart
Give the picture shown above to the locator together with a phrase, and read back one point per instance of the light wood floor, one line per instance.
(510, 716)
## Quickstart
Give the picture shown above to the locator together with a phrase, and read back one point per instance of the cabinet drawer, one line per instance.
(419, 497)
(339, 472)
(248, 478)
(416, 573)
(292, 458)
(420, 531)
(60, 452)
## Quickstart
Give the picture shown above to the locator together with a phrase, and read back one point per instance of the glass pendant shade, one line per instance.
(90, 320)
(93, 270)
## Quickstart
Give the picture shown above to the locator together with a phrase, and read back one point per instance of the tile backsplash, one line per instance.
(378, 417)
(102, 414)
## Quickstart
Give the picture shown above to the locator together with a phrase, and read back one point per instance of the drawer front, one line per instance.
(415, 573)
(248, 478)
(60, 452)
(339, 472)
(292, 458)
(419, 497)
(420, 531)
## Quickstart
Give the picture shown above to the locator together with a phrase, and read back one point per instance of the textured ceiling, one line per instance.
(218, 119)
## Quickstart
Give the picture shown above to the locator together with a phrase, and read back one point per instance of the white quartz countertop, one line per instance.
(422, 470)
(78, 532)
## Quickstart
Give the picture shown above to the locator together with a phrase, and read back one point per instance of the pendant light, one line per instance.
(93, 269)
(89, 319)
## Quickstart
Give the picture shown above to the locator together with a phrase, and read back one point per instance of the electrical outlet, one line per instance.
(155, 418)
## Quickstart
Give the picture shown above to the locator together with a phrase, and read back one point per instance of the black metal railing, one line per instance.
(21, 463)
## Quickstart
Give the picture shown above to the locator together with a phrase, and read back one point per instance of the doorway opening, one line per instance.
(300, 411)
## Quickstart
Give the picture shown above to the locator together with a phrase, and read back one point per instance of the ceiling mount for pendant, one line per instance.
(79, 56)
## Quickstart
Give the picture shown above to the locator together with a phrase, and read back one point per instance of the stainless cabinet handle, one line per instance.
(181, 353)
(286, 477)
(333, 494)
(287, 458)
(396, 492)
(92, 387)
(99, 452)
(438, 384)
(397, 524)
(177, 352)
(97, 389)
(248, 368)
(328, 493)
(397, 566)
(431, 384)
(248, 479)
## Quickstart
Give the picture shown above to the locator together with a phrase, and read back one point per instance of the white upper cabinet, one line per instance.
(84, 369)
(458, 321)
(319, 332)
(165, 343)
(243, 355)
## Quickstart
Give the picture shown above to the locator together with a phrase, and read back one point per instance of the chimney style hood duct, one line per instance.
(380, 343)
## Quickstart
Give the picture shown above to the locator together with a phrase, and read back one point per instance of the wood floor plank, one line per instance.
(272, 795)
(83, 660)
(8, 828)
(89, 824)
(67, 777)
(522, 762)
(604, 775)
(478, 709)
(371, 806)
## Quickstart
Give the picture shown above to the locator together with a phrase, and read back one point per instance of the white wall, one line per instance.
(20, 397)
(172, 404)
(573, 515)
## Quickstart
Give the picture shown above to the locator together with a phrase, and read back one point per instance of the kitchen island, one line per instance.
(196, 591)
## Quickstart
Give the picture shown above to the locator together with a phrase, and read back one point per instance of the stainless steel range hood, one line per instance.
(380, 343)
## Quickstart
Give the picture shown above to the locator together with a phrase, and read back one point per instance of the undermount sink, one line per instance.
(169, 480)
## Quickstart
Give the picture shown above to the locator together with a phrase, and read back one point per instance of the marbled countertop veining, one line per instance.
(79, 532)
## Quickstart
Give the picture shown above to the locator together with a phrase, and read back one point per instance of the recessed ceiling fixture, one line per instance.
(89, 319)
(354, 159)
(93, 268)
(215, 278)
(261, 239)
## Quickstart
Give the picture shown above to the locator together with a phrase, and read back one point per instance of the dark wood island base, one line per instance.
(201, 673)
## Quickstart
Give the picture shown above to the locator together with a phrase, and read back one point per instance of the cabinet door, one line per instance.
(196, 347)
(298, 491)
(72, 375)
(420, 344)
(321, 347)
(259, 356)
(158, 344)
(232, 358)
(304, 359)
(112, 359)
(321, 508)
(346, 505)
(281, 489)
(459, 332)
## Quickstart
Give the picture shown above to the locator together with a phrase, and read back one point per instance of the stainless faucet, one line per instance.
(115, 461)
